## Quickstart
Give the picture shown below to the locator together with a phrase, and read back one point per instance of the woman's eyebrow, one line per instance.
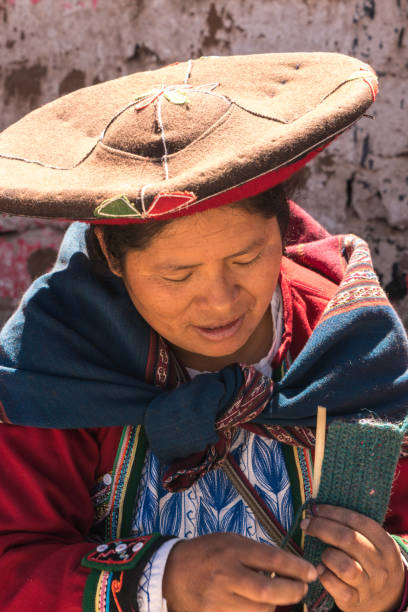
(254, 245)
(174, 267)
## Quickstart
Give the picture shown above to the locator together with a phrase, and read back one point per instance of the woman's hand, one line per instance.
(363, 569)
(223, 572)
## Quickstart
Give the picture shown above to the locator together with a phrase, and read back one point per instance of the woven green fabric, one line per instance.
(358, 469)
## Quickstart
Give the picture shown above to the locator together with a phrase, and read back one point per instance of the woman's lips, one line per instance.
(223, 331)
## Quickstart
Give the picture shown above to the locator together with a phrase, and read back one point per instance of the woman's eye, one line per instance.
(177, 280)
(251, 261)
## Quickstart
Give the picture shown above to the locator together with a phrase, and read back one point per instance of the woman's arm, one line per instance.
(46, 516)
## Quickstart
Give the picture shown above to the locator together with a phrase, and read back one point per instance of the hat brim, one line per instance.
(246, 124)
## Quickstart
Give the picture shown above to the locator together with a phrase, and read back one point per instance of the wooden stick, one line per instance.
(319, 449)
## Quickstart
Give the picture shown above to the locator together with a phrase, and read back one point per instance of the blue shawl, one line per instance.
(75, 352)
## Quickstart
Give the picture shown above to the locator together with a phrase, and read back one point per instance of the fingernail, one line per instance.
(312, 574)
(320, 569)
(304, 523)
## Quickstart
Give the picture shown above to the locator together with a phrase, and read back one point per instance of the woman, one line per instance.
(146, 324)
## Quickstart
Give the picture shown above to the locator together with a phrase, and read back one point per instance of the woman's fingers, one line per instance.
(271, 558)
(262, 589)
(344, 537)
(363, 566)
(356, 521)
(286, 588)
(241, 604)
(347, 569)
(346, 596)
(214, 571)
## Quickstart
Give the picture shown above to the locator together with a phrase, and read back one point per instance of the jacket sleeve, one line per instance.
(46, 518)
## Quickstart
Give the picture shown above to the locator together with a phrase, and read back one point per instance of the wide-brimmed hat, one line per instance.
(180, 139)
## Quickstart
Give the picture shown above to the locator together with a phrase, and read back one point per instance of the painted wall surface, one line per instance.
(360, 184)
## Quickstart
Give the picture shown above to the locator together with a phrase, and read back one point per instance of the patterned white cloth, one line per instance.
(212, 504)
(149, 595)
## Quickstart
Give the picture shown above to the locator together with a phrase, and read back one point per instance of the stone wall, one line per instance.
(360, 184)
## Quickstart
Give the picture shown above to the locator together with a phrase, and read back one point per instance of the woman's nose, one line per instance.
(220, 292)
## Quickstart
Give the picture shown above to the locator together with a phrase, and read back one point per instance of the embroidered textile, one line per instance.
(212, 504)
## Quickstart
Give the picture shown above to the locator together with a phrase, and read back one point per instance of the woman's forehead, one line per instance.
(218, 233)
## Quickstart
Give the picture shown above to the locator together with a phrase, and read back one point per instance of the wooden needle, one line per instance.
(319, 449)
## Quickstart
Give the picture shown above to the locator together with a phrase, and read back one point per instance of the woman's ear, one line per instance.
(112, 262)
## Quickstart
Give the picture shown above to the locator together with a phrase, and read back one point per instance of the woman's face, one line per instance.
(205, 284)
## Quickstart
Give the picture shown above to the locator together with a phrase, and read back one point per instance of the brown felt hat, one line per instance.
(184, 138)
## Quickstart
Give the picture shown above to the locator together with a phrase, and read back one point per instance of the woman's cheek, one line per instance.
(262, 281)
(161, 299)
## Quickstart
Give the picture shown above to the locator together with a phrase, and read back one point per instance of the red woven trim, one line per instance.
(250, 400)
(291, 435)
(246, 190)
(162, 366)
(370, 302)
(151, 358)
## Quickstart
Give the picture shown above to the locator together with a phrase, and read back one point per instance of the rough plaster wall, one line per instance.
(360, 184)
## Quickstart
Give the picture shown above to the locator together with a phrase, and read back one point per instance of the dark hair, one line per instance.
(121, 238)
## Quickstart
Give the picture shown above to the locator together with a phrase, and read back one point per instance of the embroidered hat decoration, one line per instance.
(180, 139)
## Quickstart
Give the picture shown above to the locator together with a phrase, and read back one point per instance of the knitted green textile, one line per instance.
(358, 469)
